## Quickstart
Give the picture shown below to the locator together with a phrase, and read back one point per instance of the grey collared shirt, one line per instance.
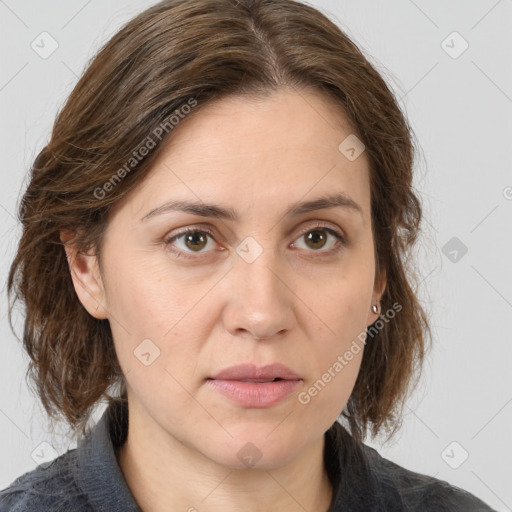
(88, 478)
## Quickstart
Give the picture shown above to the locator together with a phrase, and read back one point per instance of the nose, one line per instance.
(260, 302)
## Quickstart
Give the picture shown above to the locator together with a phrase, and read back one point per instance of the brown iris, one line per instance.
(193, 237)
(315, 236)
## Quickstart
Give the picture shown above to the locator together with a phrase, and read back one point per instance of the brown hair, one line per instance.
(200, 50)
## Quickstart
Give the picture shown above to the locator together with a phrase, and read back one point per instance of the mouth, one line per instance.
(251, 373)
(250, 386)
(261, 380)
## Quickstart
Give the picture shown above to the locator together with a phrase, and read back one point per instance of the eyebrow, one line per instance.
(219, 212)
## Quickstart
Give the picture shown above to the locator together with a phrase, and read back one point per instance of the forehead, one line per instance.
(282, 121)
(240, 151)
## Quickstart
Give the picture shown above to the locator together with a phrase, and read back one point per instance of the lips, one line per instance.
(252, 373)
(250, 386)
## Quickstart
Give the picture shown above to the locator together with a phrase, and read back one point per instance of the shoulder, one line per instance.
(417, 491)
(52, 487)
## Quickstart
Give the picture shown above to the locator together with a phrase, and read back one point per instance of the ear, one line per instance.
(86, 277)
(378, 292)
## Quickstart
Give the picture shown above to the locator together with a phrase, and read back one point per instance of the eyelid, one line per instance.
(189, 229)
(324, 225)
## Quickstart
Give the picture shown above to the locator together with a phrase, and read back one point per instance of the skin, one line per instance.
(291, 305)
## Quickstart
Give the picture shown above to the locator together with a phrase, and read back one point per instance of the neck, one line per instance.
(162, 473)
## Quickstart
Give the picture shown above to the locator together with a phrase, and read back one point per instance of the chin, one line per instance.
(254, 450)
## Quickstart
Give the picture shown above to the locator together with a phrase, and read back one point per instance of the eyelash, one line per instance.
(204, 229)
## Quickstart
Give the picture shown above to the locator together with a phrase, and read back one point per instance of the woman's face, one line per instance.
(267, 287)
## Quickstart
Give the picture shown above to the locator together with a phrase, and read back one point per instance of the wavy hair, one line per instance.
(204, 50)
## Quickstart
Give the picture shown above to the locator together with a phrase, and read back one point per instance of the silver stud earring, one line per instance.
(375, 309)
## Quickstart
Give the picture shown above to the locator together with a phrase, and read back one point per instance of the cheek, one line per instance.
(342, 355)
(343, 306)
(339, 339)
(146, 292)
(152, 311)
(324, 397)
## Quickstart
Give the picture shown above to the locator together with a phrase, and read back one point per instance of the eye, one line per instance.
(316, 237)
(194, 239)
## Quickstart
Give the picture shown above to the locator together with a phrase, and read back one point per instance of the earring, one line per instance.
(375, 308)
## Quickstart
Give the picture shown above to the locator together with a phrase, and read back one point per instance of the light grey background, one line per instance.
(460, 109)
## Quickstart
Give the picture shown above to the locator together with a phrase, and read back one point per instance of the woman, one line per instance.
(214, 242)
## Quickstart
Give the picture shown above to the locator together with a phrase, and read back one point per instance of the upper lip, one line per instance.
(251, 371)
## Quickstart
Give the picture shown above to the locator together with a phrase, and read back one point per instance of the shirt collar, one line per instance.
(100, 477)
(98, 471)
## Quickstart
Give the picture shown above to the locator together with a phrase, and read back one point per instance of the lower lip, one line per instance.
(255, 394)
